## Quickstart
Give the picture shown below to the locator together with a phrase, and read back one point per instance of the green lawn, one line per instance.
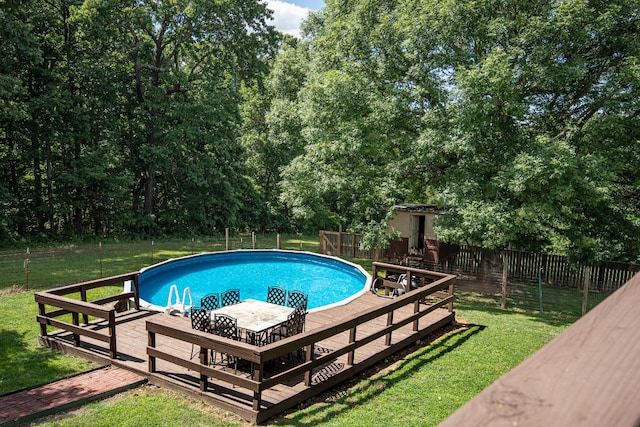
(75, 263)
(422, 389)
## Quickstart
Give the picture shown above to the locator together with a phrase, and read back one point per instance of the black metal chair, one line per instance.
(210, 302)
(298, 299)
(200, 321)
(228, 297)
(276, 295)
(292, 326)
(227, 327)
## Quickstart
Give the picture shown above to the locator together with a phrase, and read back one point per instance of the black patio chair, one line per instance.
(210, 302)
(227, 327)
(276, 295)
(200, 321)
(292, 326)
(228, 297)
(297, 299)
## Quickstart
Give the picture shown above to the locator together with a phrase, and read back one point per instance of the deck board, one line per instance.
(132, 340)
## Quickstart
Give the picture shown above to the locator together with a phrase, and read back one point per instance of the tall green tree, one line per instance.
(186, 60)
(20, 51)
(352, 113)
(523, 151)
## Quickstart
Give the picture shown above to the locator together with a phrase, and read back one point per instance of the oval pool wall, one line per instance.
(329, 281)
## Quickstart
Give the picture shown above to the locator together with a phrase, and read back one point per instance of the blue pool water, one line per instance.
(326, 280)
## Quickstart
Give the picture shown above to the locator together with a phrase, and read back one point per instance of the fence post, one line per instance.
(100, 245)
(505, 274)
(226, 238)
(26, 267)
(587, 282)
(278, 243)
(540, 289)
(152, 252)
(353, 245)
(253, 239)
(340, 240)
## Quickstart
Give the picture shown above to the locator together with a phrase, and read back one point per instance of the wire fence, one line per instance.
(48, 267)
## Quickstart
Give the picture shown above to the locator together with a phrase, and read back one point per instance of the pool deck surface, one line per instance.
(133, 339)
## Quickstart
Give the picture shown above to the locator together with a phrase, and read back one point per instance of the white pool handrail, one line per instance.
(174, 305)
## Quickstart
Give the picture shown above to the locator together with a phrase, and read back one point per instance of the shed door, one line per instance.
(416, 236)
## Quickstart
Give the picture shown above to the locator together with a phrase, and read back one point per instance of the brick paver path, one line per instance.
(66, 393)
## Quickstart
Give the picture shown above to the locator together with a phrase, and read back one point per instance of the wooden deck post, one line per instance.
(112, 334)
(136, 292)
(76, 322)
(43, 313)
(83, 297)
(309, 357)
(258, 372)
(352, 339)
(204, 361)
(450, 305)
(151, 342)
(387, 339)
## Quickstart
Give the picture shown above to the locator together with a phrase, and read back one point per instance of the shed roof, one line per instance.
(418, 208)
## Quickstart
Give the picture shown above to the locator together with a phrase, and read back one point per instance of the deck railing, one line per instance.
(438, 293)
(65, 305)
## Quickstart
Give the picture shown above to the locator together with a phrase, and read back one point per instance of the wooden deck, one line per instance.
(586, 376)
(344, 341)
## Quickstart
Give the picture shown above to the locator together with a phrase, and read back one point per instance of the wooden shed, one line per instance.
(415, 222)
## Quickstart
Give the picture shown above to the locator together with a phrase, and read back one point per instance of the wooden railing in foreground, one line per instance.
(57, 298)
(354, 339)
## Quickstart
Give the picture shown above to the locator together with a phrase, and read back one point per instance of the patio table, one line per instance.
(256, 318)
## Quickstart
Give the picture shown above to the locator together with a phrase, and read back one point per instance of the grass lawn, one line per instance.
(421, 389)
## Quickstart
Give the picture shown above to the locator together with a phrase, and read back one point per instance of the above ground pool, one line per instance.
(327, 280)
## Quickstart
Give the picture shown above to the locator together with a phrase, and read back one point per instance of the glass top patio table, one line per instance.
(256, 317)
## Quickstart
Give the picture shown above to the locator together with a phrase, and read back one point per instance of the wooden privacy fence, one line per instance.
(344, 245)
(350, 333)
(605, 276)
(57, 298)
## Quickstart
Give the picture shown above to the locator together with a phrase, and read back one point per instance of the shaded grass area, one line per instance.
(24, 363)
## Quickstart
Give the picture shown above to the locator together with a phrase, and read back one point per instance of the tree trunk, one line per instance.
(148, 191)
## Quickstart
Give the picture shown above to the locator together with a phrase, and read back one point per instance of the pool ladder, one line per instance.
(178, 307)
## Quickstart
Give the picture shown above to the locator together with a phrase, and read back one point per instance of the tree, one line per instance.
(20, 51)
(346, 113)
(186, 60)
(520, 152)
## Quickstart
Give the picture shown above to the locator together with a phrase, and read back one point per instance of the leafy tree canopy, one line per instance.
(521, 118)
